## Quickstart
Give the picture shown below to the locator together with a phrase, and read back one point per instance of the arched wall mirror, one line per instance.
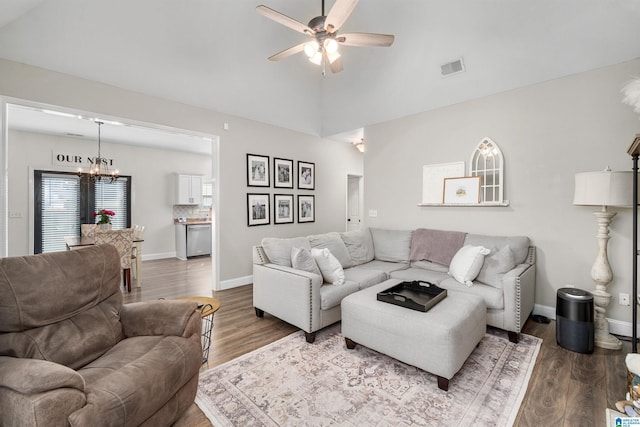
(487, 162)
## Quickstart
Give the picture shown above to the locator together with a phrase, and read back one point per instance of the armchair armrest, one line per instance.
(162, 317)
(38, 392)
(30, 376)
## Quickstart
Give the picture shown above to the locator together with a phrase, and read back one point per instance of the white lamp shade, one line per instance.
(604, 188)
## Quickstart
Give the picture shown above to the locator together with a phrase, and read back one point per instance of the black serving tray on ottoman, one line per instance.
(416, 295)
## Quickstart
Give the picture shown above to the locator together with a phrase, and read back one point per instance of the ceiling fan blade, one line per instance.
(284, 20)
(366, 39)
(287, 52)
(335, 66)
(339, 14)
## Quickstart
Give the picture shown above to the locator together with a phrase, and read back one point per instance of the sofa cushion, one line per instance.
(279, 250)
(359, 244)
(391, 245)
(495, 265)
(493, 297)
(155, 363)
(363, 277)
(428, 265)
(301, 259)
(467, 262)
(332, 295)
(329, 266)
(518, 244)
(334, 243)
(384, 266)
(413, 273)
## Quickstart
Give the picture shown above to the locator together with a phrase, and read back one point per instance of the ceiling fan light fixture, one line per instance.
(311, 48)
(330, 45)
(316, 58)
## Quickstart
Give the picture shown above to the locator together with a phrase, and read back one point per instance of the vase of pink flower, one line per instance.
(104, 218)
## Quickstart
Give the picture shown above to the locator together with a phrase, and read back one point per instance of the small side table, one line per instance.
(207, 306)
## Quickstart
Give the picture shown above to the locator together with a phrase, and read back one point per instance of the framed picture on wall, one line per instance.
(282, 208)
(306, 209)
(257, 170)
(306, 175)
(282, 173)
(258, 209)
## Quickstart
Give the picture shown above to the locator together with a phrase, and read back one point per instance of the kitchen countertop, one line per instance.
(191, 221)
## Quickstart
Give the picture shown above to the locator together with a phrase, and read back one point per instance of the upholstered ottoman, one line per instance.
(438, 341)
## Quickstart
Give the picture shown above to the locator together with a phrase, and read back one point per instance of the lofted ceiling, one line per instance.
(212, 53)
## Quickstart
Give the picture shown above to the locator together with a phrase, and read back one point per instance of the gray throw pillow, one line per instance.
(495, 265)
(301, 259)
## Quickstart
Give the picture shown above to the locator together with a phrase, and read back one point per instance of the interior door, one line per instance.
(353, 203)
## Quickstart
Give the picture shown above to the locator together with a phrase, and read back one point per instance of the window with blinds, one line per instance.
(63, 201)
(60, 210)
(113, 196)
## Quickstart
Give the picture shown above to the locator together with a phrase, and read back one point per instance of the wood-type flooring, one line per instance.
(566, 388)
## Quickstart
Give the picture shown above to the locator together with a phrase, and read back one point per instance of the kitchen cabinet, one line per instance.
(188, 189)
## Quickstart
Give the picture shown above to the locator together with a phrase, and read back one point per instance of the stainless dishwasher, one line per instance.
(198, 239)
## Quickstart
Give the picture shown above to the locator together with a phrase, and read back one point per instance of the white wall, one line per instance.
(333, 160)
(152, 177)
(547, 133)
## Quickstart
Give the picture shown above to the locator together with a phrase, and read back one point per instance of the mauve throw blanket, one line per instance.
(437, 246)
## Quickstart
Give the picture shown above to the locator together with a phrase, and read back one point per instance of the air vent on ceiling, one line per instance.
(77, 135)
(451, 68)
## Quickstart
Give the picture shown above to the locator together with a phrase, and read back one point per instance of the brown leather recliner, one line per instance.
(72, 354)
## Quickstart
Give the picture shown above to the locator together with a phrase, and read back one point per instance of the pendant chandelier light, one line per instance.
(100, 167)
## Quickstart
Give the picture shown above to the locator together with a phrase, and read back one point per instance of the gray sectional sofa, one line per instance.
(370, 256)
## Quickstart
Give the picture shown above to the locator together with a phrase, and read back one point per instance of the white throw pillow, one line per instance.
(329, 265)
(301, 259)
(467, 262)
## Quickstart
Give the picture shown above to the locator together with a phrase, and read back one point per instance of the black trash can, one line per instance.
(574, 320)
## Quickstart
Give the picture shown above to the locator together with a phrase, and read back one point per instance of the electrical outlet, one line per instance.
(623, 299)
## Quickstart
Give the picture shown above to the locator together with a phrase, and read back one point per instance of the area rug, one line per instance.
(292, 383)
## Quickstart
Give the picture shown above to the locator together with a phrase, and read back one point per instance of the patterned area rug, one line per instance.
(292, 383)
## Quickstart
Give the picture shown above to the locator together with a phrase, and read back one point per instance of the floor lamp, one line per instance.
(603, 188)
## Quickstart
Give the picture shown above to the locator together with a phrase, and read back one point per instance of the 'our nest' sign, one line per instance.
(75, 160)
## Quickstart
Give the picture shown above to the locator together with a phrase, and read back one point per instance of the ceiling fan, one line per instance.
(323, 30)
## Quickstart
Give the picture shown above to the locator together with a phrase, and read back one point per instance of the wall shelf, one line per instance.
(467, 205)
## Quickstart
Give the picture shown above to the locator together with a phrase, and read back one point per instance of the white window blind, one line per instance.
(60, 210)
(113, 196)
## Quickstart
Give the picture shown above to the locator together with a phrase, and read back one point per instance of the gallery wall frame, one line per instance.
(258, 209)
(283, 209)
(306, 208)
(283, 173)
(257, 170)
(306, 175)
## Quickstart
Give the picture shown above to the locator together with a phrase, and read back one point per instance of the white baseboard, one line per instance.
(165, 255)
(616, 327)
(234, 283)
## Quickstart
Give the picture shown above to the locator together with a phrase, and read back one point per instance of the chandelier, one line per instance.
(100, 167)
